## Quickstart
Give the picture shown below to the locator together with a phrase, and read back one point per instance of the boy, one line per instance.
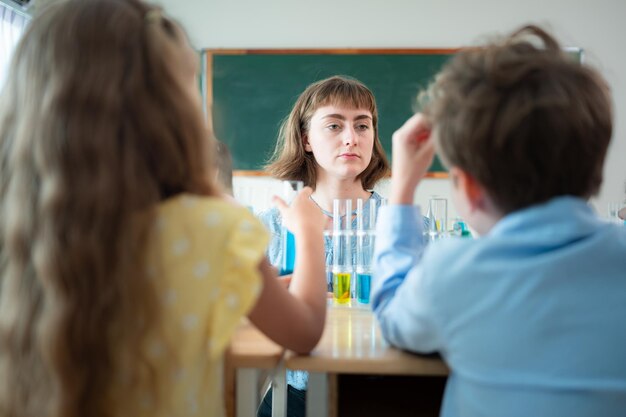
(531, 317)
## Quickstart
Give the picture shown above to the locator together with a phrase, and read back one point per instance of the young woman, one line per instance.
(330, 142)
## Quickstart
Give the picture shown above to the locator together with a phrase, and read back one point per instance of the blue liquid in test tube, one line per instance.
(366, 236)
(289, 254)
(363, 287)
(288, 240)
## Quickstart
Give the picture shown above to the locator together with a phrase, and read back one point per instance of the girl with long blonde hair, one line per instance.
(123, 273)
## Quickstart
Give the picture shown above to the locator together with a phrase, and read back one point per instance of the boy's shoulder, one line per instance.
(564, 234)
(447, 254)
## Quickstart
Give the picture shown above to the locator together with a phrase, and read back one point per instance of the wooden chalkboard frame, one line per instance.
(208, 88)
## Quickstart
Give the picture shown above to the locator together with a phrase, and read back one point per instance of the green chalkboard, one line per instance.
(250, 93)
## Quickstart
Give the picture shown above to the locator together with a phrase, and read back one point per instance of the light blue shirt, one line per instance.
(531, 318)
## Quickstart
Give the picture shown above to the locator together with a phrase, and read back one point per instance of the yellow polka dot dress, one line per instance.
(204, 258)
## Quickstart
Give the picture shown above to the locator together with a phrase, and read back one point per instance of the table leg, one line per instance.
(279, 392)
(247, 392)
(317, 395)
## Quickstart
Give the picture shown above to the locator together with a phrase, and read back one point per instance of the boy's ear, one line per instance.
(472, 190)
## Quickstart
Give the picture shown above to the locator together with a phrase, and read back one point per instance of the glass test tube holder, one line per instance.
(288, 241)
(365, 238)
(437, 216)
(342, 251)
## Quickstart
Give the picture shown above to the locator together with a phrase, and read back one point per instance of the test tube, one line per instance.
(365, 237)
(328, 237)
(288, 241)
(342, 250)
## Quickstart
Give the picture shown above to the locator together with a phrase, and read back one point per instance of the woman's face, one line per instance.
(341, 140)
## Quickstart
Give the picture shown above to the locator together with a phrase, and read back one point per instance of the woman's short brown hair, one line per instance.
(290, 161)
(523, 118)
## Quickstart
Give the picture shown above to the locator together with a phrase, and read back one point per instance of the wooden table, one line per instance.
(351, 344)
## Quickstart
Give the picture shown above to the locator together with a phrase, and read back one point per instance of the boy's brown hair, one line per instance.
(523, 118)
(290, 161)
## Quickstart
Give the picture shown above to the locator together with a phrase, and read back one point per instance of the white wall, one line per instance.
(256, 192)
(598, 26)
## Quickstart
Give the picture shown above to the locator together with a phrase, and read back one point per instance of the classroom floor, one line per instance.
(370, 396)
